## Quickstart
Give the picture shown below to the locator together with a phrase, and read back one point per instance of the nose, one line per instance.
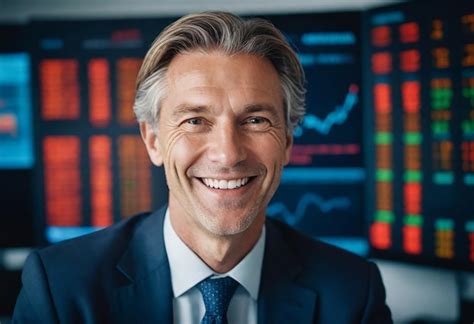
(227, 147)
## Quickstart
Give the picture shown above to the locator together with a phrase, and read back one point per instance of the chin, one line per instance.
(228, 225)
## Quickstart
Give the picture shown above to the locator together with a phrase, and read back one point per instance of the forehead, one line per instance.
(240, 77)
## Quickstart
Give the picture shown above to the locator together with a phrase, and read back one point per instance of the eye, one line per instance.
(257, 120)
(257, 123)
(195, 125)
(195, 121)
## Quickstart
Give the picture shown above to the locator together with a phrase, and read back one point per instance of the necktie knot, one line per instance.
(217, 294)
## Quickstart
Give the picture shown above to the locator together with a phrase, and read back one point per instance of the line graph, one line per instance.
(305, 202)
(336, 117)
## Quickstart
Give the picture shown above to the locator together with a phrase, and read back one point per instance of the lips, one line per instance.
(225, 184)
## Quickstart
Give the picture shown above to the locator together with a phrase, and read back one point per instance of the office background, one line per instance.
(382, 165)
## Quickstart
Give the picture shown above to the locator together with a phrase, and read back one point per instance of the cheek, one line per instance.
(182, 152)
(272, 151)
(279, 146)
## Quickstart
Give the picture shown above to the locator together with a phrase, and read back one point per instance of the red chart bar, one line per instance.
(468, 156)
(410, 60)
(411, 100)
(382, 98)
(62, 180)
(99, 92)
(381, 63)
(100, 148)
(412, 197)
(380, 235)
(381, 36)
(409, 32)
(412, 239)
(59, 82)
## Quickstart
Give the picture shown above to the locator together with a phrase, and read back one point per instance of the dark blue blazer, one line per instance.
(121, 275)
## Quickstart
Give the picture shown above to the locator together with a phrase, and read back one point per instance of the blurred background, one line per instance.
(383, 164)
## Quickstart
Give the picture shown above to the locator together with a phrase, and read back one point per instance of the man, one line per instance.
(217, 99)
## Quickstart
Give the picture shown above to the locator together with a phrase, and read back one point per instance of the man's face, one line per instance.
(222, 140)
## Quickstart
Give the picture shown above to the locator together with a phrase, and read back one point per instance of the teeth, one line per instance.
(232, 184)
(225, 184)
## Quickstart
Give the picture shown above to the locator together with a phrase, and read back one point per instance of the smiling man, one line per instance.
(217, 100)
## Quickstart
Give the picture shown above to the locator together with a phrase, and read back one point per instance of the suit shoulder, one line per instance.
(336, 276)
(100, 246)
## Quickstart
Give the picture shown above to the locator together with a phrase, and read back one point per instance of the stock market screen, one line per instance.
(420, 139)
(321, 191)
(93, 168)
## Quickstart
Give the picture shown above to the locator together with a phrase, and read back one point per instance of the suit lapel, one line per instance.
(146, 295)
(282, 299)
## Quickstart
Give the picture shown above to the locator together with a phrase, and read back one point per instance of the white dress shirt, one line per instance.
(187, 270)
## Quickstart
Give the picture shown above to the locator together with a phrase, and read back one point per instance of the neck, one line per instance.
(220, 252)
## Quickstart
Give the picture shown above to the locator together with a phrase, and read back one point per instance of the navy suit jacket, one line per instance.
(121, 275)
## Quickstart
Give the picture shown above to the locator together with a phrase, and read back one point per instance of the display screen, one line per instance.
(322, 188)
(16, 126)
(16, 138)
(420, 143)
(94, 169)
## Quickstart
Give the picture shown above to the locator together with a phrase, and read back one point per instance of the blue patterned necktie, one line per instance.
(217, 294)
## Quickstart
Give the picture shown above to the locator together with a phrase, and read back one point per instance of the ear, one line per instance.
(152, 145)
(289, 145)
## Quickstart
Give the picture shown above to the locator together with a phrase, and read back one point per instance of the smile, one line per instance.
(225, 184)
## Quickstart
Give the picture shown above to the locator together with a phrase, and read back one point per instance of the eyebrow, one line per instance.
(256, 108)
(184, 109)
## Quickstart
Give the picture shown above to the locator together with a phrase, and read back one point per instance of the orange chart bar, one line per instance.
(444, 244)
(59, 82)
(100, 150)
(62, 178)
(441, 57)
(99, 92)
(135, 176)
(127, 70)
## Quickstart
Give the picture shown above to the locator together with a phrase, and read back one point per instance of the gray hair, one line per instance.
(229, 34)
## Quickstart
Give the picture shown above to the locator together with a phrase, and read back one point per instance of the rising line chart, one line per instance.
(336, 117)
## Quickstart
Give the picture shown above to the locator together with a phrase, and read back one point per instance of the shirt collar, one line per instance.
(187, 269)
